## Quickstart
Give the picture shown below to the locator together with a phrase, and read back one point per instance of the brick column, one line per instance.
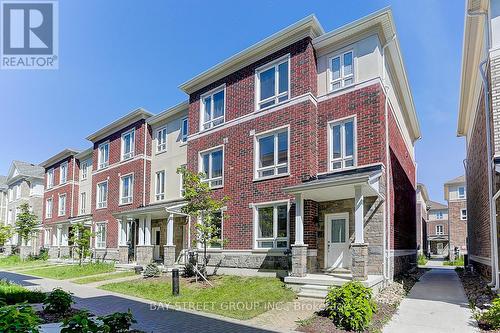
(169, 255)
(359, 267)
(299, 260)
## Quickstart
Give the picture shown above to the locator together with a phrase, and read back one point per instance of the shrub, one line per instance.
(421, 260)
(81, 323)
(43, 255)
(491, 317)
(151, 270)
(12, 293)
(58, 301)
(119, 322)
(18, 319)
(350, 307)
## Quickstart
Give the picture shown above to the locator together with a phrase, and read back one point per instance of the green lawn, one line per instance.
(459, 261)
(64, 272)
(98, 278)
(15, 261)
(231, 296)
(12, 293)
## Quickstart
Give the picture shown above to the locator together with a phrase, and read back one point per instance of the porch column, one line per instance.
(144, 251)
(359, 250)
(121, 232)
(299, 220)
(299, 249)
(147, 230)
(170, 230)
(142, 221)
(122, 241)
(169, 248)
(359, 215)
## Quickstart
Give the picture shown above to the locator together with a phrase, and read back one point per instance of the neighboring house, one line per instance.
(455, 192)
(437, 230)
(422, 217)
(478, 121)
(24, 185)
(3, 200)
(311, 135)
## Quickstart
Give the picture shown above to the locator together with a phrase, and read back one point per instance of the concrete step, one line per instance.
(313, 291)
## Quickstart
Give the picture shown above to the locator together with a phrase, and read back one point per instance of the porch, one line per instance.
(339, 230)
(58, 237)
(156, 233)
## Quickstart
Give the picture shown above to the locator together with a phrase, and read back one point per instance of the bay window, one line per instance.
(212, 166)
(213, 108)
(271, 225)
(273, 83)
(272, 154)
(342, 144)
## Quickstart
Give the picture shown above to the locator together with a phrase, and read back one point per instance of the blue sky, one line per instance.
(117, 55)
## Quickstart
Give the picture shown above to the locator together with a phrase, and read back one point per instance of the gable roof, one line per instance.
(119, 124)
(457, 180)
(434, 205)
(59, 157)
(24, 169)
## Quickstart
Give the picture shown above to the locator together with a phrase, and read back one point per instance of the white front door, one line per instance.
(337, 241)
(156, 243)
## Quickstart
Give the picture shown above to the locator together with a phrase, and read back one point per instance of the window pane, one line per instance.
(348, 81)
(217, 164)
(283, 77)
(335, 68)
(267, 83)
(266, 222)
(219, 104)
(282, 221)
(338, 231)
(349, 138)
(208, 105)
(205, 170)
(336, 153)
(348, 63)
(283, 147)
(266, 145)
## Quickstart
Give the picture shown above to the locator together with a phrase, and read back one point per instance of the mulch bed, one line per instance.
(387, 301)
(48, 318)
(478, 293)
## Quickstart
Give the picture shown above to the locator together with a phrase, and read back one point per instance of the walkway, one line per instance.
(437, 303)
(101, 302)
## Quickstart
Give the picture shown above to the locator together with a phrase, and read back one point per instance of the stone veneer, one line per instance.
(270, 260)
(106, 254)
(144, 254)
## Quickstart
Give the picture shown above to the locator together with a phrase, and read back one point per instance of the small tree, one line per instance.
(6, 232)
(26, 223)
(202, 205)
(81, 241)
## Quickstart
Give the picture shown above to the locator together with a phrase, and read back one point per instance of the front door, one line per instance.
(156, 243)
(440, 248)
(337, 241)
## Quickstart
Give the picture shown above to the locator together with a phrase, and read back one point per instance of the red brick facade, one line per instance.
(458, 227)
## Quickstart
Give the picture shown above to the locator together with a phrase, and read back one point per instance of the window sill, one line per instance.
(161, 152)
(212, 128)
(330, 170)
(101, 208)
(183, 143)
(330, 90)
(273, 106)
(125, 203)
(126, 159)
(282, 175)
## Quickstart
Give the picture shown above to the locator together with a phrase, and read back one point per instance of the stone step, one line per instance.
(313, 291)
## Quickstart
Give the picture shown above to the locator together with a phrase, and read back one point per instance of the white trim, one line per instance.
(184, 136)
(48, 184)
(130, 154)
(342, 159)
(340, 54)
(255, 207)
(85, 171)
(160, 148)
(130, 198)
(49, 216)
(100, 164)
(59, 204)
(200, 164)
(105, 225)
(120, 163)
(342, 215)
(275, 63)
(83, 203)
(462, 216)
(439, 233)
(103, 204)
(181, 183)
(156, 185)
(211, 94)
(66, 165)
(275, 166)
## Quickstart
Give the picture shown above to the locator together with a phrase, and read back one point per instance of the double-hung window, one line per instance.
(50, 178)
(439, 215)
(213, 107)
(83, 203)
(48, 208)
(461, 192)
(342, 144)
(62, 204)
(273, 85)
(439, 230)
(272, 154)
(100, 241)
(128, 143)
(463, 214)
(212, 166)
(63, 176)
(160, 185)
(341, 70)
(85, 169)
(103, 155)
(126, 189)
(184, 129)
(102, 195)
(271, 226)
(161, 140)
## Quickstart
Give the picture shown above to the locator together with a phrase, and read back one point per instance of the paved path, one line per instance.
(437, 303)
(101, 302)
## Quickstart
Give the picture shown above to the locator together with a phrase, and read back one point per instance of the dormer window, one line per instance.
(273, 82)
(128, 140)
(341, 70)
(213, 107)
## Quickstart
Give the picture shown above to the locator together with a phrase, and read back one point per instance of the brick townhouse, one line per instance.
(455, 192)
(479, 123)
(438, 236)
(422, 217)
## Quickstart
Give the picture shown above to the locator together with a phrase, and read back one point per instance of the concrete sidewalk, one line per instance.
(437, 303)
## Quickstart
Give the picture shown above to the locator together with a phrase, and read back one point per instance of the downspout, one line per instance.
(73, 187)
(492, 200)
(387, 216)
(144, 165)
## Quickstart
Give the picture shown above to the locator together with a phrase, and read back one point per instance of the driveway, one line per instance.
(437, 303)
(101, 302)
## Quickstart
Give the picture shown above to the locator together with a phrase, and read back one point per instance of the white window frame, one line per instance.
(160, 195)
(208, 178)
(343, 158)
(83, 203)
(61, 212)
(184, 135)
(50, 178)
(458, 192)
(275, 237)
(275, 166)
(342, 78)
(129, 199)
(47, 237)
(181, 184)
(85, 169)
(161, 146)
(463, 216)
(102, 204)
(63, 176)
(277, 95)
(100, 238)
(439, 215)
(439, 232)
(129, 155)
(48, 212)
(100, 163)
(18, 191)
(210, 122)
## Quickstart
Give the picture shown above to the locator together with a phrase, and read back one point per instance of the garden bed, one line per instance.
(387, 301)
(47, 318)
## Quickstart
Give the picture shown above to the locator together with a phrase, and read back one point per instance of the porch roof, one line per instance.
(340, 185)
(157, 210)
(438, 237)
